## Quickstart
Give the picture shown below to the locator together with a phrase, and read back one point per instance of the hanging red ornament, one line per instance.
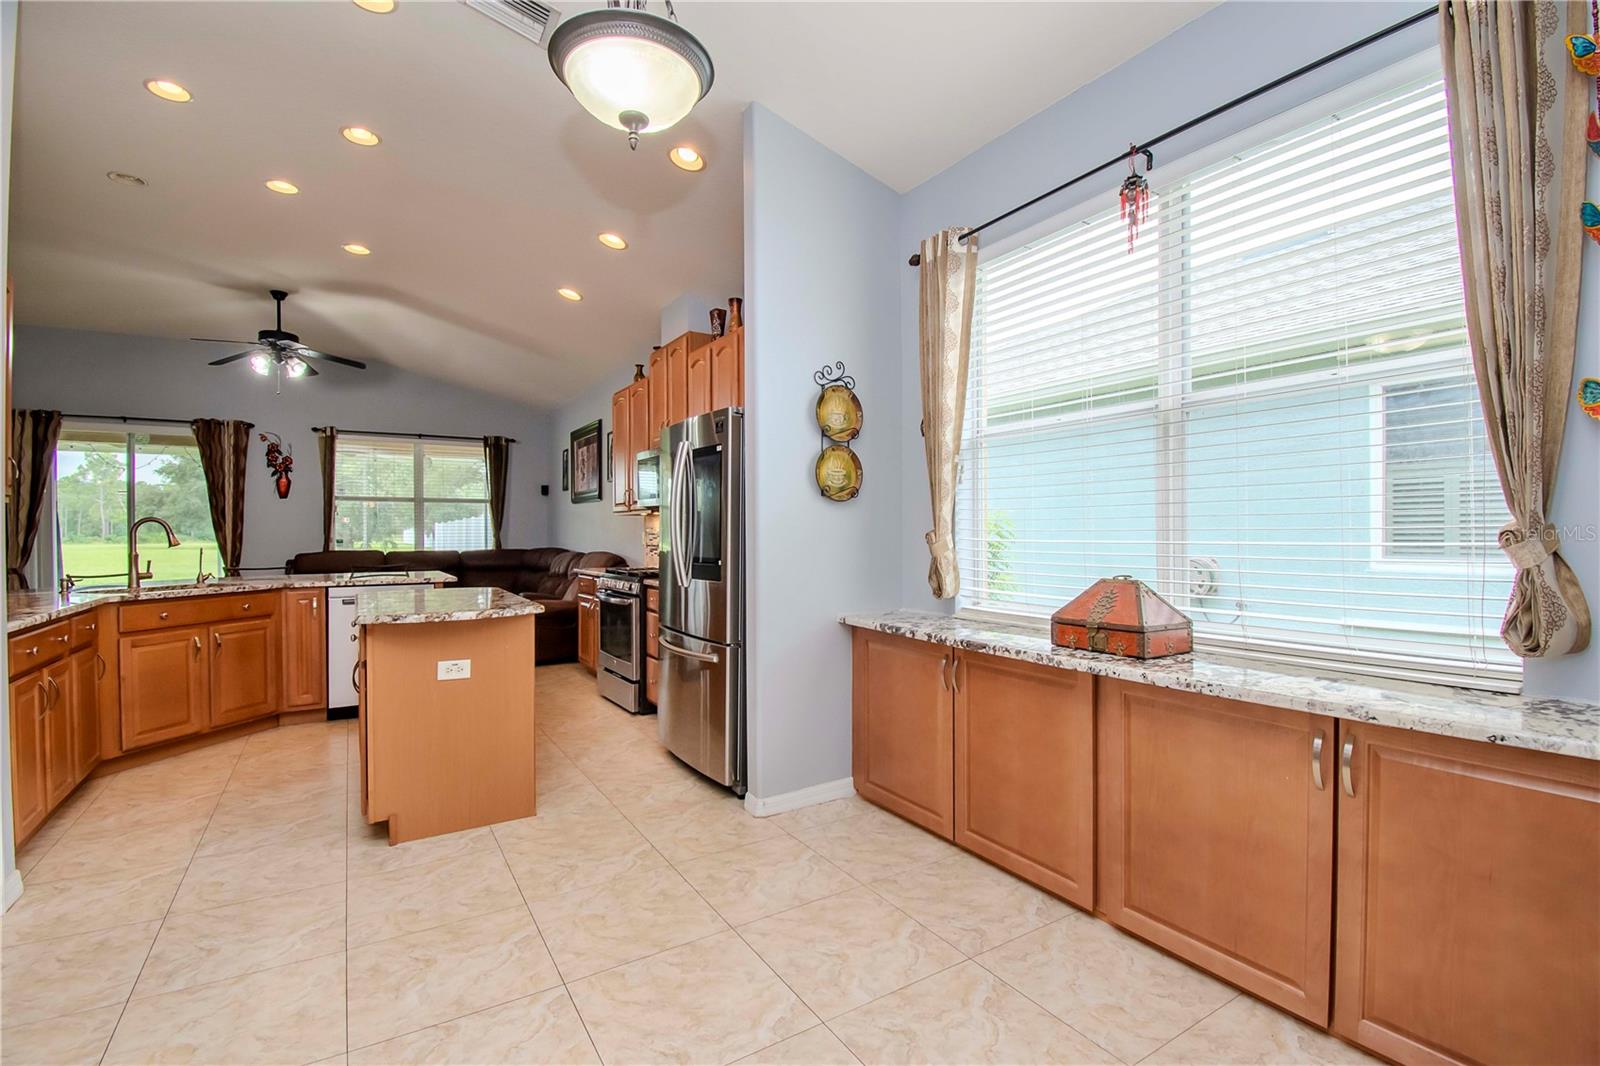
(1134, 196)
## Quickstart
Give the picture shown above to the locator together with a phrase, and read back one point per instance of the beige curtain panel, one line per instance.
(1517, 112)
(949, 272)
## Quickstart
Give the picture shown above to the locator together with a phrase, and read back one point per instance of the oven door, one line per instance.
(620, 634)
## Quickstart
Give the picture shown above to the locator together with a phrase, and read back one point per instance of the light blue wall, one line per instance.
(8, 69)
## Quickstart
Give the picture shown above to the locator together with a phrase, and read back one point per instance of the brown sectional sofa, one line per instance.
(542, 574)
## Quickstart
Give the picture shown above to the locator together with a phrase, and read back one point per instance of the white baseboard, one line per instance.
(13, 888)
(762, 806)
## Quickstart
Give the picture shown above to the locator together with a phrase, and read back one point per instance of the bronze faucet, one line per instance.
(134, 576)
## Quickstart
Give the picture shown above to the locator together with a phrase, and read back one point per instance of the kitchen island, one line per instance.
(446, 720)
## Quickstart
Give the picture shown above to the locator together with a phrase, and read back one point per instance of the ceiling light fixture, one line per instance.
(261, 363)
(360, 135)
(632, 70)
(377, 7)
(356, 249)
(169, 90)
(612, 241)
(685, 158)
(287, 188)
(569, 294)
(294, 366)
(126, 179)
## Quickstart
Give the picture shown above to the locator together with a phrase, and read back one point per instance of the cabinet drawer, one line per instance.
(652, 598)
(652, 678)
(586, 585)
(201, 609)
(85, 628)
(39, 646)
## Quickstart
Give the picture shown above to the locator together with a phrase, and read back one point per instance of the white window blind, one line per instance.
(1266, 410)
(387, 489)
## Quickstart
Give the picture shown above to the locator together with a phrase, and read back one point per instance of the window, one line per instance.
(386, 489)
(97, 499)
(1266, 411)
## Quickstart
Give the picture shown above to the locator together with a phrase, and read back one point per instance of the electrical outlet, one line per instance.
(454, 669)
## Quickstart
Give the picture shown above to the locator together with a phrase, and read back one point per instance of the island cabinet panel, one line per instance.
(1469, 901)
(305, 650)
(621, 457)
(244, 671)
(164, 678)
(28, 803)
(903, 721)
(1216, 836)
(58, 777)
(1024, 766)
(85, 668)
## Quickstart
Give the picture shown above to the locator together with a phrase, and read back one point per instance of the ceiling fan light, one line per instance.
(294, 366)
(631, 70)
(261, 363)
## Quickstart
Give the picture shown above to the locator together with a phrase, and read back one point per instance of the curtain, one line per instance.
(224, 446)
(1517, 111)
(327, 441)
(497, 457)
(33, 455)
(948, 273)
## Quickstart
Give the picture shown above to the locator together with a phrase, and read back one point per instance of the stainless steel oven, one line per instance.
(620, 677)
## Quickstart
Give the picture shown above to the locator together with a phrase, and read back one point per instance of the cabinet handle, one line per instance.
(100, 663)
(44, 699)
(1346, 757)
(218, 638)
(245, 606)
(55, 692)
(944, 672)
(34, 650)
(61, 639)
(355, 682)
(163, 615)
(314, 603)
(197, 647)
(958, 671)
(1316, 762)
(91, 626)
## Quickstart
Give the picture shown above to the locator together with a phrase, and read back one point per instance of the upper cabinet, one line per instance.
(621, 478)
(656, 376)
(726, 358)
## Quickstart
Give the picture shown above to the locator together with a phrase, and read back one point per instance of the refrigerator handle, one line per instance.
(698, 656)
(680, 519)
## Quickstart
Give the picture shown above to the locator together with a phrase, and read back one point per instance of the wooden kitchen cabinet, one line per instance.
(1216, 836)
(676, 362)
(698, 380)
(726, 357)
(58, 777)
(305, 650)
(903, 748)
(588, 625)
(656, 387)
(1024, 771)
(84, 670)
(28, 801)
(638, 437)
(164, 678)
(621, 464)
(1469, 900)
(244, 670)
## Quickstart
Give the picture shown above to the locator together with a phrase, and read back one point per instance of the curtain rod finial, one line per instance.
(915, 260)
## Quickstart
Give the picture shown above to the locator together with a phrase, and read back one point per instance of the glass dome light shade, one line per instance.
(294, 366)
(617, 61)
(261, 363)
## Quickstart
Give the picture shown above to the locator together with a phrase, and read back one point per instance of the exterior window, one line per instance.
(387, 489)
(1266, 410)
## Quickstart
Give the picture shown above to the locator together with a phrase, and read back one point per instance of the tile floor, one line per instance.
(230, 906)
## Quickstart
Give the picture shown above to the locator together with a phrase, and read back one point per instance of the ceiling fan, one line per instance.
(278, 350)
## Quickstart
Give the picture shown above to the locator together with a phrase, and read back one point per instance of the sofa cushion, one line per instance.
(334, 562)
(495, 568)
(541, 558)
(544, 586)
(448, 561)
(562, 564)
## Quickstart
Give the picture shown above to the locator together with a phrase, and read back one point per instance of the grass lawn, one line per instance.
(168, 564)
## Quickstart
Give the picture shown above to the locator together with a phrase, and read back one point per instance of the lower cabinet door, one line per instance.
(305, 650)
(1024, 796)
(588, 632)
(85, 667)
(903, 749)
(29, 695)
(1216, 836)
(164, 679)
(1469, 901)
(244, 670)
(652, 678)
(58, 777)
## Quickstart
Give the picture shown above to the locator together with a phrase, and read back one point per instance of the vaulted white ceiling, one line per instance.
(490, 184)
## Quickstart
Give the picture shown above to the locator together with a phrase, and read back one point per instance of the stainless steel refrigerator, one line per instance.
(700, 704)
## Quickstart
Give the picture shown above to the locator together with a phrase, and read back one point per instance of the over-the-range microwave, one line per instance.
(647, 479)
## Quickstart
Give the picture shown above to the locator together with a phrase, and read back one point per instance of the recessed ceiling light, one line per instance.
(685, 158)
(612, 241)
(377, 7)
(360, 135)
(569, 294)
(356, 249)
(125, 179)
(288, 188)
(169, 90)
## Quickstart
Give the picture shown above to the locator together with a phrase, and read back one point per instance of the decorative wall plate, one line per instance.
(839, 413)
(838, 473)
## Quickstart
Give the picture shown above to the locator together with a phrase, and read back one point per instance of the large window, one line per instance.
(395, 493)
(1266, 410)
(107, 478)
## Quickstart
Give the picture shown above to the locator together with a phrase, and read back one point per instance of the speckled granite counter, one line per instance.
(401, 606)
(27, 609)
(1561, 726)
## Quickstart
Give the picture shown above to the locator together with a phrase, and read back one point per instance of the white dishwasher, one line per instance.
(344, 642)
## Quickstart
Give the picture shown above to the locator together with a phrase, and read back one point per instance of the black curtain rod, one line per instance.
(407, 436)
(1144, 147)
(129, 418)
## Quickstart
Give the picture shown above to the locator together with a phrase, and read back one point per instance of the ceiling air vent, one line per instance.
(529, 18)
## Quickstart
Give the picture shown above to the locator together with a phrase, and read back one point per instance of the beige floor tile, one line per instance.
(710, 1001)
(846, 950)
(283, 774)
(761, 879)
(823, 813)
(553, 770)
(705, 829)
(575, 801)
(370, 852)
(1250, 1032)
(962, 1016)
(875, 845)
(111, 813)
(541, 1030)
(1124, 995)
(38, 845)
(83, 904)
(401, 985)
(970, 903)
(312, 740)
(816, 1046)
(74, 1040)
(72, 974)
(583, 853)
(415, 898)
(219, 879)
(213, 945)
(83, 852)
(594, 929)
(290, 1014)
(653, 795)
(196, 773)
(241, 822)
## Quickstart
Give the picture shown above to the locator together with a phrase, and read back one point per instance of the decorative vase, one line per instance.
(735, 312)
(283, 486)
(638, 371)
(719, 322)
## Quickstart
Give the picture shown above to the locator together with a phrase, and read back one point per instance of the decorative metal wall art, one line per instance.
(279, 461)
(1589, 397)
(839, 420)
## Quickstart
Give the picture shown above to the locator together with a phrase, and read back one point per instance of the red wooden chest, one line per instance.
(1122, 616)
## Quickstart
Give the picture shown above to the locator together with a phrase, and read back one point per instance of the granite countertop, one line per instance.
(399, 606)
(1565, 727)
(25, 610)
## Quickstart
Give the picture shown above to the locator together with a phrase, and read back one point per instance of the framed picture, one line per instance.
(586, 472)
(611, 469)
(565, 458)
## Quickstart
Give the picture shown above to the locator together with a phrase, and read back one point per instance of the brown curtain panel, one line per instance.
(224, 446)
(497, 456)
(327, 443)
(1517, 111)
(33, 453)
(948, 275)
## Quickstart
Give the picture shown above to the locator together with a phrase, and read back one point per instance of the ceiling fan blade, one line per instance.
(235, 357)
(341, 360)
(311, 370)
(219, 340)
